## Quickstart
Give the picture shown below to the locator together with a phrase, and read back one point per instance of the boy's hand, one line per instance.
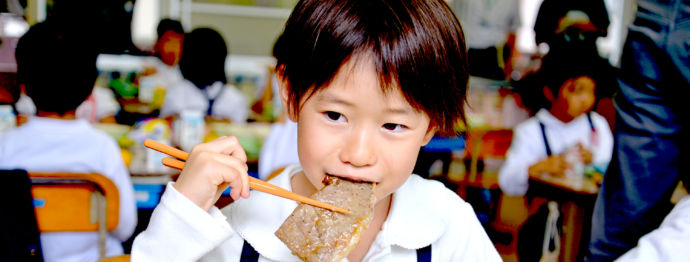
(554, 165)
(585, 154)
(211, 168)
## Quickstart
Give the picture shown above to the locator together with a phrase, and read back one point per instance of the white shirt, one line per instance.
(168, 74)
(422, 212)
(528, 148)
(53, 145)
(670, 242)
(230, 103)
(101, 103)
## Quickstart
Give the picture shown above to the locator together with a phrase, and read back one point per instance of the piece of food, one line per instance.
(317, 234)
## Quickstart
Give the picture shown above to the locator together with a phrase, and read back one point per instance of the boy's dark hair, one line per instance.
(203, 57)
(57, 66)
(168, 24)
(417, 45)
(560, 66)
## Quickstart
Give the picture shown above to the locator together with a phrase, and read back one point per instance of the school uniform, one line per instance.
(218, 100)
(423, 213)
(101, 103)
(669, 242)
(543, 135)
(168, 74)
(54, 145)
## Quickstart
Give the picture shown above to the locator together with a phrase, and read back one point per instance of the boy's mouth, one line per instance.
(347, 177)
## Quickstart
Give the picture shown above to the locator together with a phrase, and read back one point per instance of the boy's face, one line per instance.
(576, 96)
(352, 129)
(169, 47)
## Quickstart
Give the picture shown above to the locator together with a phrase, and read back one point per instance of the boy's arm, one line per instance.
(524, 150)
(186, 225)
(554, 165)
(603, 152)
(179, 230)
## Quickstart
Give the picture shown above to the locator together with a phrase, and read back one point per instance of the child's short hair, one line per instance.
(560, 66)
(417, 45)
(57, 65)
(168, 24)
(203, 57)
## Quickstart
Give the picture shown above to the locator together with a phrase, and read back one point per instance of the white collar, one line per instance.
(413, 222)
(36, 121)
(212, 91)
(548, 119)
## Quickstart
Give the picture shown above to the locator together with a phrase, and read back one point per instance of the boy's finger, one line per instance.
(236, 167)
(228, 145)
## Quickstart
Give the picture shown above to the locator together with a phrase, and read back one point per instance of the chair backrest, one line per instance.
(71, 201)
(68, 202)
(489, 143)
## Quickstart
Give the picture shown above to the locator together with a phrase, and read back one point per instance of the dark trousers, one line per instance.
(650, 132)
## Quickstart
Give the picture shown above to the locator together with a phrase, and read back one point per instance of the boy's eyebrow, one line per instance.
(327, 98)
(399, 111)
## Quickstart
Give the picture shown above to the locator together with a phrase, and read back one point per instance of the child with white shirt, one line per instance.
(369, 82)
(57, 67)
(548, 142)
(540, 144)
(167, 51)
(204, 87)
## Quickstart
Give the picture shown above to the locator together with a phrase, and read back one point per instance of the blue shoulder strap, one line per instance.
(546, 141)
(249, 254)
(424, 254)
(589, 119)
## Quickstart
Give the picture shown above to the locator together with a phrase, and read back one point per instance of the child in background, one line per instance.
(369, 82)
(168, 50)
(205, 87)
(540, 144)
(55, 141)
(558, 141)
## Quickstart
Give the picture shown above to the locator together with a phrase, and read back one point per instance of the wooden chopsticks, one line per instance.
(254, 183)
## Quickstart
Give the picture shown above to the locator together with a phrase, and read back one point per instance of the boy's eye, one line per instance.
(393, 127)
(335, 116)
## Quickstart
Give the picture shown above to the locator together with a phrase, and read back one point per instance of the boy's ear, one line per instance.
(285, 94)
(548, 94)
(429, 135)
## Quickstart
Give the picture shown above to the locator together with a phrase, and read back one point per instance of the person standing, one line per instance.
(650, 133)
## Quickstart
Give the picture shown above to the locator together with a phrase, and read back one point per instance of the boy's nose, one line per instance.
(358, 150)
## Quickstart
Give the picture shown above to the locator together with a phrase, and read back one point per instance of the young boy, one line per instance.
(540, 143)
(168, 50)
(55, 141)
(369, 82)
(204, 87)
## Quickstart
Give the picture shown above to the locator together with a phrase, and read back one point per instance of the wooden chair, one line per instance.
(69, 202)
(482, 145)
